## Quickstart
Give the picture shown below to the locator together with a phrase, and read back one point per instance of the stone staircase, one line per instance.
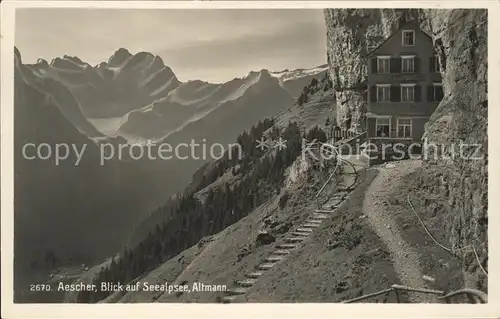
(293, 239)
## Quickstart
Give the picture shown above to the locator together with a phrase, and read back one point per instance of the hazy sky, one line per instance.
(211, 45)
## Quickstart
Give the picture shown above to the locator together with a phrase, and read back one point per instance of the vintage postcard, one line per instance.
(264, 154)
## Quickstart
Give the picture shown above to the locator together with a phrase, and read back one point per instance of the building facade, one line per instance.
(404, 87)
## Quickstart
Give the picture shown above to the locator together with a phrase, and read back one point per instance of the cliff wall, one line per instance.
(460, 39)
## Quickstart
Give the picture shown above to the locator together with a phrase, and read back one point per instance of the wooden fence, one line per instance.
(474, 295)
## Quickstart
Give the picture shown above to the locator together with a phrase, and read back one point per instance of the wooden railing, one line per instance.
(339, 162)
(392, 134)
(318, 194)
(474, 295)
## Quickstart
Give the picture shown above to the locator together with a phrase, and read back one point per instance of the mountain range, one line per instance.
(138, 97)
(86, 212)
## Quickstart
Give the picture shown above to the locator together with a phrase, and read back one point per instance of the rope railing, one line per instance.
(451, 251)
(330, 177)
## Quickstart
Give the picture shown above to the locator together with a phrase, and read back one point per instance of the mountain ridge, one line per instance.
(144, 95)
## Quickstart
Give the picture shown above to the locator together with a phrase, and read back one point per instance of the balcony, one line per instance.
(403, 108)
(393, 135)
(397, 77)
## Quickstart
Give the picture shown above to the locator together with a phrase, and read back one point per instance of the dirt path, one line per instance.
(405, 259)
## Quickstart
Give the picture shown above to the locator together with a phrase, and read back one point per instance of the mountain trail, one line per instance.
(294, 238)
(405, 259)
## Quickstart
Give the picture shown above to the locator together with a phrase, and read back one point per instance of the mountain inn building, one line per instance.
(404, 88)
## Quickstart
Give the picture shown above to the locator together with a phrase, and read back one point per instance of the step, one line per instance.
(331, 208)
(344, 188)
(245, 282)
(323, 212)
(300, 234)
(236, 291)
(339, 194)
(281, 252)
(295, 239)
(319, 216)
(305, 230)
(310, 225)
(274, 258)
(334, 202)
(314, 221)
(286, 246)
(254, 275)
(266, 266)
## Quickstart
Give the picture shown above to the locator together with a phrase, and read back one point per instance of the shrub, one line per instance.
(284, 200)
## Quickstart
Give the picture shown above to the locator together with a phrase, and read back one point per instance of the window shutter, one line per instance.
(374, 65)
(418, 93)
(430, 91)
(439, 93)
(395, 93)
(396, 65)
(373, 93)
(416, 62)
(431, 64)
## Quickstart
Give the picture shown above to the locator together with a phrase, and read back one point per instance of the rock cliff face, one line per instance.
(462, 118)
(460, 39)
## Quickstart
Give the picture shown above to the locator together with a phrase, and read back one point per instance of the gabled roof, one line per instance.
(394, 33)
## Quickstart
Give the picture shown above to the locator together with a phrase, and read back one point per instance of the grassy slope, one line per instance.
(310, 274)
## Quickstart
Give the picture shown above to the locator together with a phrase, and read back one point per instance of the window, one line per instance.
(436, 64)
(404, 127)
(408, 38)
(437, 93)
(383, 64)
(383, 127)
(408, 64)
(407, 92)
(383, 92)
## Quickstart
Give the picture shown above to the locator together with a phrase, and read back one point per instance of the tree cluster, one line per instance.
(261, 177)
(315, 86)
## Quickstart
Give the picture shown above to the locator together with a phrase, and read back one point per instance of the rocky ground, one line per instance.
(418, 261)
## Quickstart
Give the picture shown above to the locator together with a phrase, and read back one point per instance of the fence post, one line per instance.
(396, 291)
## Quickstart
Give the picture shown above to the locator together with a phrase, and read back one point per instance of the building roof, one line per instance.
(394, 33)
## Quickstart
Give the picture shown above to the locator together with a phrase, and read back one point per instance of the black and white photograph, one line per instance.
(255, 155)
